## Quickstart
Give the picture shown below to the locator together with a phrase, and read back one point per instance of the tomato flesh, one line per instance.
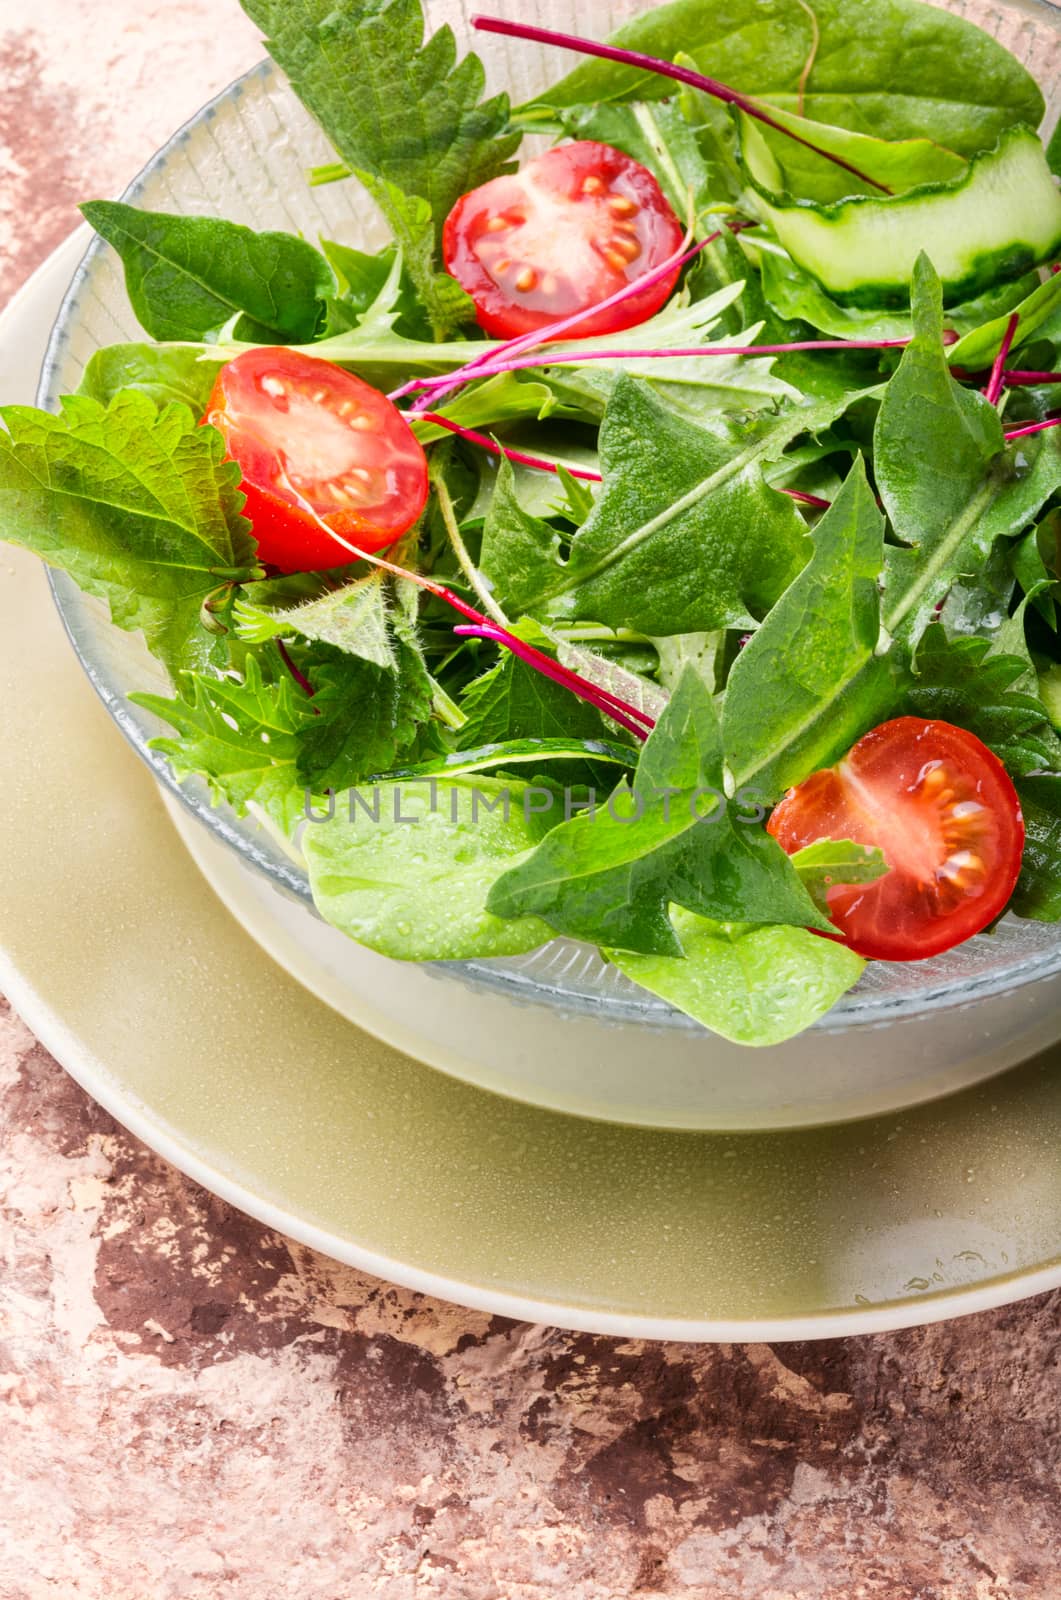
(304, 429)
(945, 814)
(561, 235)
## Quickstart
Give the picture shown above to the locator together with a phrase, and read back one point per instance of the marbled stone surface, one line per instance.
(193, 1408)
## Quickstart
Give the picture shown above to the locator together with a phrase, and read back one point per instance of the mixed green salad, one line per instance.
(656, 543)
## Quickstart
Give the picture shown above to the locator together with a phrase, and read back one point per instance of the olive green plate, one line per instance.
(132, 973)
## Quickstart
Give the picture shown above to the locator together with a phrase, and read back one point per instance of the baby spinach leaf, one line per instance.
(686, 536)
(187, 276)
(755, 986)
(809, 682)
(893, 68)
(240, 736)
(788, 166)
(947, 486)
(827, 862)
(518, 753)
(162, 372)
(137, 505)
(669, 837)
(414, 882)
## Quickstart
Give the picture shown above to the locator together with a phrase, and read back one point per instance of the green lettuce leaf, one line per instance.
(755, 986)
(188, 276)
(413, 881)
(666, 838)
(138, 505)
(164, 373)
(827, 862)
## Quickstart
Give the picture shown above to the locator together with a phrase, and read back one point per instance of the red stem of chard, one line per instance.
(628, 716)
(1032, 427)
(486, 443)
(634, 58)
(1016, 379)
(993, 392)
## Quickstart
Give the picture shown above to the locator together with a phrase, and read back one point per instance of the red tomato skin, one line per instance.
(893, 919)
(504, 314)
(289, 538)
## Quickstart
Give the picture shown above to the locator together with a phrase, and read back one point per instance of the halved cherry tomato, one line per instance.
(301, 427)
(559, 236)
(942, 809)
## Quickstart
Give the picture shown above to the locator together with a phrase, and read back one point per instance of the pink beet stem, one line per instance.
(806, 499)
(993, 392)
(634, 58)
(486, 443)
(1033, 427)
(1014, 378)
(585, 690)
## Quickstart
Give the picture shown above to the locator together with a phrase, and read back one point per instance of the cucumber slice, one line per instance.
(996, 220)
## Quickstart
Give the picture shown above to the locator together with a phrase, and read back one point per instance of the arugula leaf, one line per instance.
(406, 116)
(162, 372)
(242, 737)
(353, 618)
(139, 506)
(612, 877)
(893, 68)
(809, 682)
(949, 490)
(686, 535)
(967, 682)
(187, 276)
(755, 986)
(417, 890)
(827, 862)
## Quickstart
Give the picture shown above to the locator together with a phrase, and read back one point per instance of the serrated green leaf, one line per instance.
(187, 276)
(686, 536)
(353, 618)
(366, 715)
(969, 682)
(242, 737)
(137, 505)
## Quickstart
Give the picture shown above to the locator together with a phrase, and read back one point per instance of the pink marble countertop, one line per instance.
(191, 1406)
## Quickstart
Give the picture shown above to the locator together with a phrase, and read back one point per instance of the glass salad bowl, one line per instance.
(245, 157)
